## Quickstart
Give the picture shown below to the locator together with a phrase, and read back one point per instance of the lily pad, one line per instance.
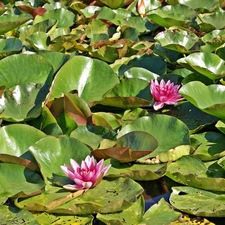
(210, 145)
(82, 74)
(10, 22)
(135, 214)
(51, 153)
(177, 39)
(172, 15)
(193, 117)
(211, 21)
(210, 99)
(191, 171)
(16, 134)
(25, 92)
(107, 197)
(136, 171)
(9, 46)
(203, 4)
(207, 64)
(173, 129)
(30, 182)
(198, 202)
(16, 216)
(64, 17)
(49, 218)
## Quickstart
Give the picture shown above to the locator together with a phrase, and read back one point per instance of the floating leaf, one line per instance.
(13, 215)
(116, 3)
(203, 4)
(175, 153)
(135, 214)
(10, 22)
(92, 135)
(64, 17)
(107, 197)
(82, 74)
(193, 117)
(16, 134)
(29, 181)
(173, 134)
(47, 218)
(211, 21)
(210, 145)
(136, 171)
(210, 99)
(177, 39)
(198, 202)
(25, 92)
(190, 170)
(123, 154)
(172, 15)
(51, 153)
(207, 64)
(9, 46)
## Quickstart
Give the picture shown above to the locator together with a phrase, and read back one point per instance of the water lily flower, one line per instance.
(141, 8)
(86, 175)
(164, 93)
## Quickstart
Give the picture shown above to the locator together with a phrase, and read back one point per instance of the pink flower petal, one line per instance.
(158, 105)
(74, 164)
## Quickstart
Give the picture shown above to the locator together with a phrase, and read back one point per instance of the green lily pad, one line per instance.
(52, 152)
(39, 40)
(211, 21)
(29, 181)
(25, 92)
(216, 38)
(175, 153)
(198, 202)
(207, 64)
(107, 197)
(173, 129)
(191, 171)
(92, 135)
(193, 117)
(172, 15)
(203, 4)
(64, 17)
(210, 99)
(135, 214)
(116, 3)
(46, 122)
(16, 134)
(54, 219)
(9, 46)
(177, 39)
(136, 171)
(10, 22)
(82, 74)
(210, 145)
(13, 215)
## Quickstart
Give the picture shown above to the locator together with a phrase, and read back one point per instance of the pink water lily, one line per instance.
(164, 93)
(86, 176)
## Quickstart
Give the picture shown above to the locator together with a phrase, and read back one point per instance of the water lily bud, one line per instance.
(141, 8)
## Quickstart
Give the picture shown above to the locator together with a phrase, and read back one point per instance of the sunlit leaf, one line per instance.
(209, 99)
(82, 74)
(173, 129)
(198, 202)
